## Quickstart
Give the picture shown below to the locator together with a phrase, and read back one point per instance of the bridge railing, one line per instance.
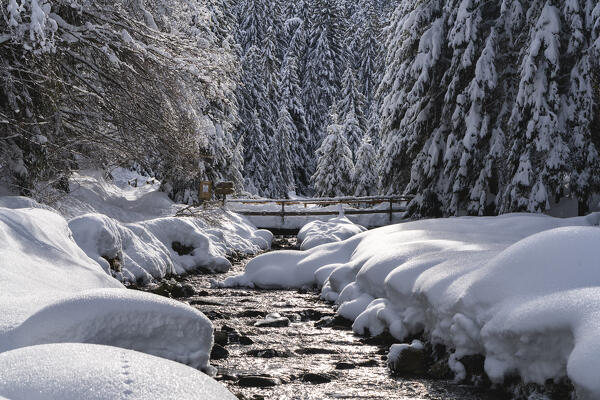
(395, 204)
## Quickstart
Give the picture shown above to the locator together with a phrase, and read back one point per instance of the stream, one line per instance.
(313, 356)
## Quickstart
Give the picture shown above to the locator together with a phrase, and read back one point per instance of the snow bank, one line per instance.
(520, 289)
(51, 292)
(147, 249)
(66, 372)
(336, 229)
(132, 232)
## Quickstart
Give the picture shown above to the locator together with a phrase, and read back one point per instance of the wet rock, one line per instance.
(227, 328)
(267, 353)
(440, 370)
(245, 341)
(315, 350)
(205, 303)
(405, 359)
(212, 315)
(335, 322)
(203, 293)
(172, 288)
(236, 337)
(257, 381)
(385, 339)
(474, 364)
(368, 363)
(226, 377)
(221, 338)
(316, 379)
(218, 352)
(182, 249)
(252, 314)
(273, 320)
(344, 365)
(312, 315)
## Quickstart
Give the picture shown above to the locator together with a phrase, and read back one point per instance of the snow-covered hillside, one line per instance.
(520, 289)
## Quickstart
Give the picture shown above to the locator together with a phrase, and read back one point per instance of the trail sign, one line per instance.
(205, 191)
(224, 188)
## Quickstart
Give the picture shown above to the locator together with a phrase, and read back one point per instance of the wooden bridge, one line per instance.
(283, 208)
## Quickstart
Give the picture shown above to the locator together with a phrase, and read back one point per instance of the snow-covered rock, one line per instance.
(336, 229)
(94, 372)
(520, 289)
(51, 292)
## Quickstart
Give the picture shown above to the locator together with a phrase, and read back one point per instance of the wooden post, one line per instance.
(282, 213)
(391, 210)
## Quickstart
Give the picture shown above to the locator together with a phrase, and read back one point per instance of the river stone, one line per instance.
(257, 381)
(440, 370)
(221, 338)
(344, 365)
(273, 320)
(315, 350)
(267, 353)
(408, 359)
(252, 314)
(218, 352)
(315, 378)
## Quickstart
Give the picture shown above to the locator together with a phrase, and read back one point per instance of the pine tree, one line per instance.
(291, 95)
(325, 59)
(540, 145)
(352, 101)
(333, 176)
(364, 175)
(353, 133)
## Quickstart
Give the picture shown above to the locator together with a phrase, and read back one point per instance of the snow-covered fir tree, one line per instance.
(333, 176)
(490, 108)
(364, 175)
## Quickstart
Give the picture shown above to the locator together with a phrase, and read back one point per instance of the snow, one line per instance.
(336, 229)
(64, 372)
(51, 292)
(128, 220)
(520, 289)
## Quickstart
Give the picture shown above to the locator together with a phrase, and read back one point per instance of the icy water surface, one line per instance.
(303, 360)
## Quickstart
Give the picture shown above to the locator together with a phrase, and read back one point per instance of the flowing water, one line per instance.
(316, 356)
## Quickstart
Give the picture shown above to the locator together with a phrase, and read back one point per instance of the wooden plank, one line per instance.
(325, 200)
(315, 213)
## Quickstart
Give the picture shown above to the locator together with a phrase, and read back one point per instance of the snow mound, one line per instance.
(76, 371)
(336, 229)
(154, 248)
(129, 197)
(520, 289)
(128, 226)
(122, 318)
(50, 291)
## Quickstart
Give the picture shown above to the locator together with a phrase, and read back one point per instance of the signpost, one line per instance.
(205, 191)
(223, 189)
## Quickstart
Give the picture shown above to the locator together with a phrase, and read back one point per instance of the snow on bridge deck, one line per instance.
(292, 214)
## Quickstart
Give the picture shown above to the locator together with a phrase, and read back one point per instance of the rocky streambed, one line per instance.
(276, 344)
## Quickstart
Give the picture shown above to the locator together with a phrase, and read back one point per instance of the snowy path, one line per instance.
(286, 362)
